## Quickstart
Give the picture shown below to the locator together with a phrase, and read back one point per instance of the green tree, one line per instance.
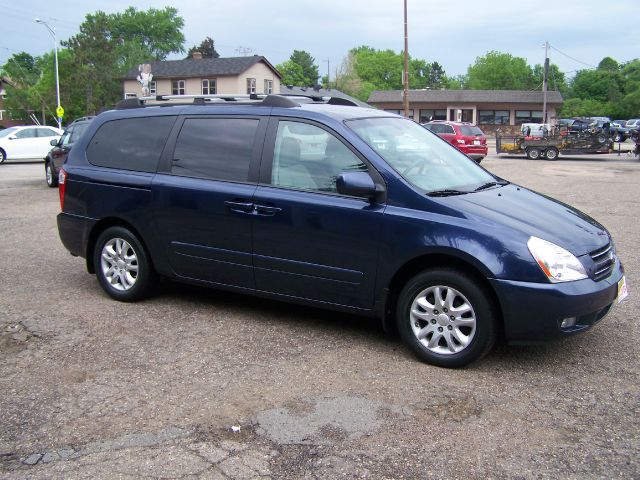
(23, 71)
(608, 63)
(578, 107)
(601, 85)
(366, 69)
(108, 45)
(300, 70)
(292, 74)
(459, 82)
(556, 81)
(206, 48)
(437, 77)
(500, 71)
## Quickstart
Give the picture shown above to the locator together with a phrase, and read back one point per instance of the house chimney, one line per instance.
(197, 55)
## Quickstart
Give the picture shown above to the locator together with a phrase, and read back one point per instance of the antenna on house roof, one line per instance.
(244, 51)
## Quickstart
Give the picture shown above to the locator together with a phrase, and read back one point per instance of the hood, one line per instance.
(534, 214)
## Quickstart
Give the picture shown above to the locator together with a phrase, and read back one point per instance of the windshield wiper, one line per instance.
(484, 186)
(446, 192)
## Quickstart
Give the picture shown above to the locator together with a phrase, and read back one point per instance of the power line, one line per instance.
(28, 16)
(572, 58)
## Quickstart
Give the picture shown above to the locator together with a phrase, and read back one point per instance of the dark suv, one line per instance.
(325, 204)
(58, 154)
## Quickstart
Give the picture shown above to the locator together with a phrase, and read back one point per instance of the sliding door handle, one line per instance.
(267, 210)
(240, 206)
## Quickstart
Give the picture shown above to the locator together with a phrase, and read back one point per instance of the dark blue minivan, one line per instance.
(326, 204)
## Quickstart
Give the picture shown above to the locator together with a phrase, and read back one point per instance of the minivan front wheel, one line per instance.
(122, 265)
(446, 318)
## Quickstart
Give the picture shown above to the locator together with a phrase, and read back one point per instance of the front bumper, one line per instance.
(533, 312)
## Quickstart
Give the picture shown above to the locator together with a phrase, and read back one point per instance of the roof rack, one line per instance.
(270, 100)
(82, 119)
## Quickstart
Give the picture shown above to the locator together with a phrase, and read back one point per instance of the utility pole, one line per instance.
(328, 73)
(545, 81)
(405, 92)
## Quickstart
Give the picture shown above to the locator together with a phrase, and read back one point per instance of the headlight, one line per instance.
(558, 264)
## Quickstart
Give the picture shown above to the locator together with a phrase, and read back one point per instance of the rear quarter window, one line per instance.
(130, 143)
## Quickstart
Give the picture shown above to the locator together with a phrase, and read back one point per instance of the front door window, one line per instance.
(309, 158)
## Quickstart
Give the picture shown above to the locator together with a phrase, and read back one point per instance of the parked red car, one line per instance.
(466, 137)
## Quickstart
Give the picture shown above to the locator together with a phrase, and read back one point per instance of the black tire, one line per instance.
(3, 156)
(480, 339)
(130, 285)
(601, 137)
(50, 176)
(478, 160)
(551, 154)
(533, 153)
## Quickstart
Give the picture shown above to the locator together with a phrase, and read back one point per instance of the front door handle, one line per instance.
(240, 206)
(267, 210)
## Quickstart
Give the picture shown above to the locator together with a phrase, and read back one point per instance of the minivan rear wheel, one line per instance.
(122, 265)
(446, 318)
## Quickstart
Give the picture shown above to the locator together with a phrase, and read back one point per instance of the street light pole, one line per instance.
(52, 31)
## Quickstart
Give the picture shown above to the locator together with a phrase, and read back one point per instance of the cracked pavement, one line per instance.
(93, 388)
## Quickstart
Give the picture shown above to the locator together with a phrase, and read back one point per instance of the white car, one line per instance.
(27, 142)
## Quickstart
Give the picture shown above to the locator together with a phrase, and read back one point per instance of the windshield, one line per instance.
(7, 131)
(419, 156)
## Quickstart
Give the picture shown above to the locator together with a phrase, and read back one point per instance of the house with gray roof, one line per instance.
(197, 76)
(490, 109)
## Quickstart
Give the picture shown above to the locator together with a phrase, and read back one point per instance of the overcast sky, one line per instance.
(451, 33)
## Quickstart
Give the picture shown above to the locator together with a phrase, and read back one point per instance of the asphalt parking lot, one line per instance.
(195, 383)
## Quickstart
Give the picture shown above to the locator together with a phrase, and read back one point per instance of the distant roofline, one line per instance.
(446, 95)
(256, 59)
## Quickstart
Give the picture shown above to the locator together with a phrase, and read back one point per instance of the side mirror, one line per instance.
(356, 184)
(12, 137)
(53, 142)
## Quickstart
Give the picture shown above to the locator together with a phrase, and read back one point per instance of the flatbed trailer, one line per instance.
(549, 147)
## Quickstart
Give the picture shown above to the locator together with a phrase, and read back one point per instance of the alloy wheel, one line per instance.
(119, 263)
(443, 320)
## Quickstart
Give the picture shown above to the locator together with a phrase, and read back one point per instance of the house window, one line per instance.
(494, 117)
(152, 88)
(251, 85)
(528, 116)
(268, 86)
(430, 114)
(209, 87)
(177, 87)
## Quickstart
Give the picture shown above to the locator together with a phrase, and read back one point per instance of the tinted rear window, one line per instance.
(470, 131)
(130, 143)
(216, 148)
